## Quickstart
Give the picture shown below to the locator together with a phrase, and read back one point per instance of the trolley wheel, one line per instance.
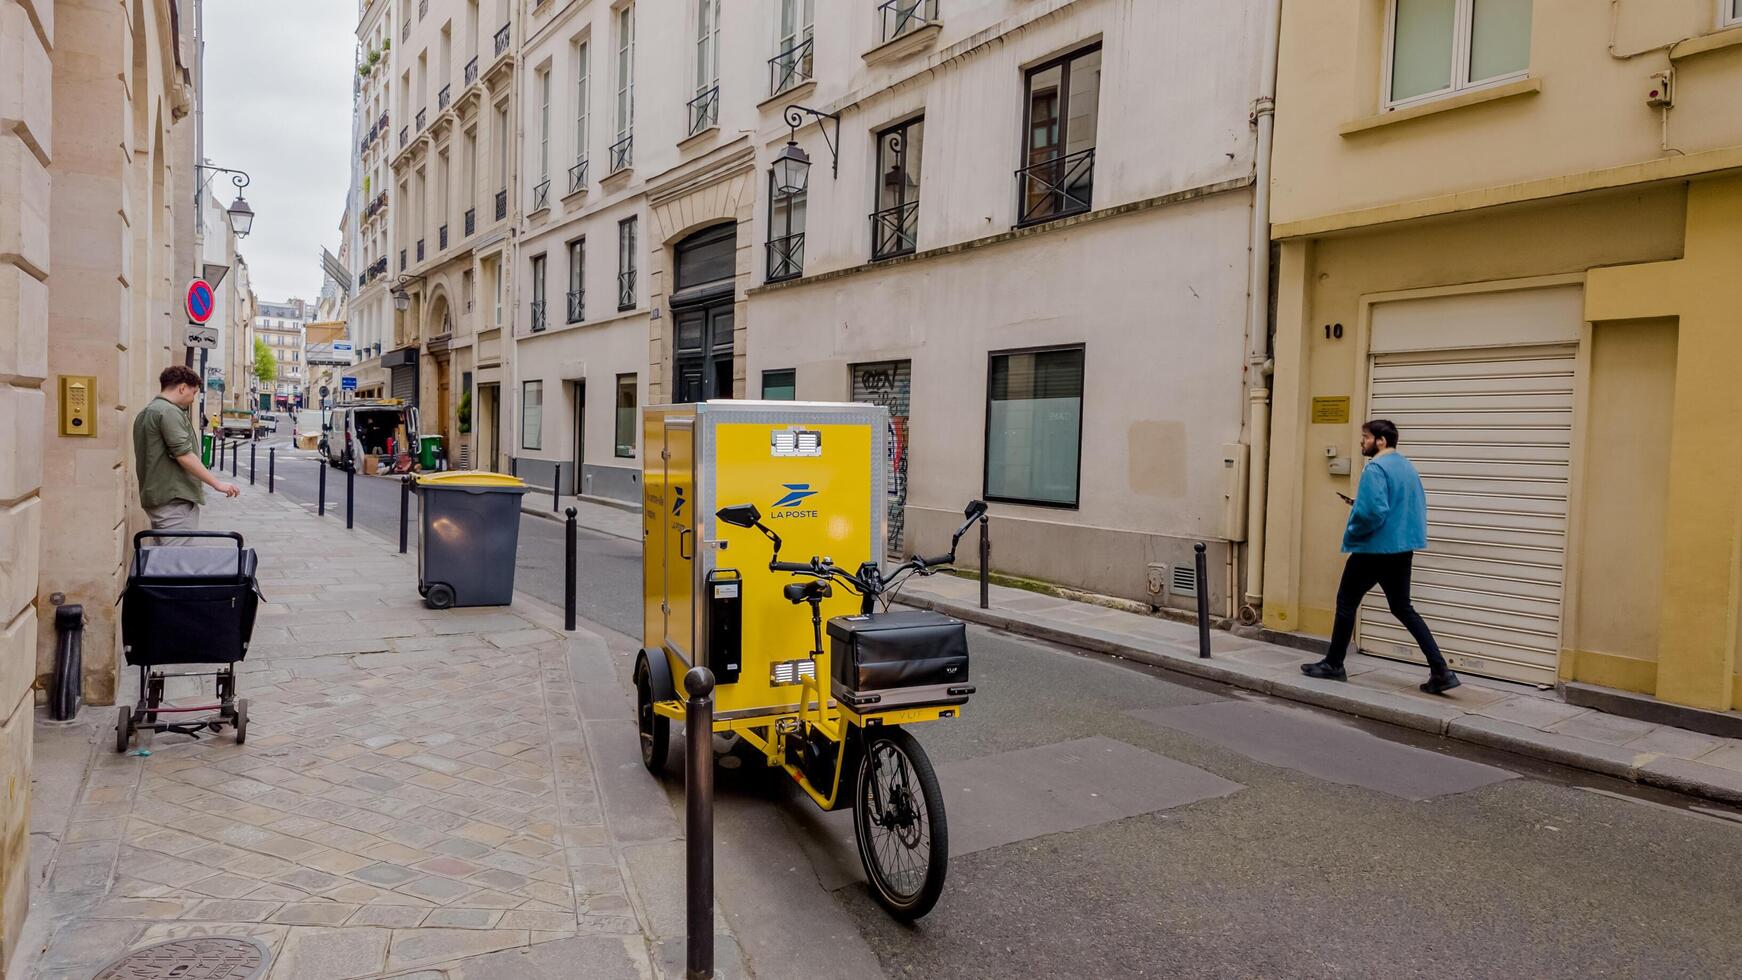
(241, 721)
(439, 596)
(655, 729)
(898, 819)
(124, 729)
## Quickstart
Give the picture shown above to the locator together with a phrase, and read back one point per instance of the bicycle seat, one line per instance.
(799, 592)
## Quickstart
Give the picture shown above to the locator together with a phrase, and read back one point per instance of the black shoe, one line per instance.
(1441, 683)
(1325, 670)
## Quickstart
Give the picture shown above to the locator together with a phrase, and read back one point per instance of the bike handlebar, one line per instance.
(936, 562)
(793, 566)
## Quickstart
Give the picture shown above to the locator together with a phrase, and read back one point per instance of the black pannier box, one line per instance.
(899, 660)
(189, 605)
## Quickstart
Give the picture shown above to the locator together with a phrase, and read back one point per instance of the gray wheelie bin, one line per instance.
(468, 530)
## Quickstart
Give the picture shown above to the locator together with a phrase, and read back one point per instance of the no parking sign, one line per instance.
(200, 303)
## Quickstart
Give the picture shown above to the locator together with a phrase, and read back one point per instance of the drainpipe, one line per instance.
(1258, 363)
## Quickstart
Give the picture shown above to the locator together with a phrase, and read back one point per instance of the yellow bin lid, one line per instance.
(469, 478)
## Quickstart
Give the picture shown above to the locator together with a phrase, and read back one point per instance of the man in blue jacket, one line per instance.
(1387, 526)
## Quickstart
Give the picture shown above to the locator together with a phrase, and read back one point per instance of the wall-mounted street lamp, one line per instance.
(241, 215)
(792, 164)
(402, 298)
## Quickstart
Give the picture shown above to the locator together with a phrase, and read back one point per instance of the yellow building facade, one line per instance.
(1520, 238)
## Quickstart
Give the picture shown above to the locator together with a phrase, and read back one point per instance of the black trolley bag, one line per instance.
(187, 604)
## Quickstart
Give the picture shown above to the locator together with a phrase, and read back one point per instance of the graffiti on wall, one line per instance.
(890, 384)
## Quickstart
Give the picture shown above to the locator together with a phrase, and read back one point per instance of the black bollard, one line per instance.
(404, 510)
(253, 460)
(699, 822)
(272, 470)
(1203, 602)
(235, 453)
(985, 563)
(323, 492)
(350, 497)
(569, 567)
(556, 490)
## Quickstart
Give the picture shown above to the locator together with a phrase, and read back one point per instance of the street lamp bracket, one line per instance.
(795, 117)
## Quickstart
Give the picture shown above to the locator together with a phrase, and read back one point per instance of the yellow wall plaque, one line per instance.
(1331, 411)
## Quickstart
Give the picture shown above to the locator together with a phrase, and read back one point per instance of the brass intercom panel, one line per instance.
(78, 405)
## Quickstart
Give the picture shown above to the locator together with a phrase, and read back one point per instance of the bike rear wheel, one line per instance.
(898, 819)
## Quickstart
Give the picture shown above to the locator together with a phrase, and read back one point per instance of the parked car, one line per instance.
(266, 422)
(373, 428)
(236, 423)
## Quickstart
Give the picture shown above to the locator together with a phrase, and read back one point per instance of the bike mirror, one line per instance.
(976, 508)
(740, 515)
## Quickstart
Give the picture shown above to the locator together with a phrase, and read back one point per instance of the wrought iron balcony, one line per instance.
(402, 260)
(405, 30)
(442, 98)
(704, 109)
(1055, 188)
(578, 177)
(404, 136)
(895, 231)
(422, 9)
(472, 70)
(790, 68)
(502, 40)
(422, 119)
(622, 154)
(442, 237)
(541, 195)
(577, 305)
(420, 250)
(786, 257)
(537, 315)
(903, 17)
(501, 204)
(626, 289)
(471, 221)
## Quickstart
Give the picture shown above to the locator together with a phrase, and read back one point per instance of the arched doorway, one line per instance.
(702, 315)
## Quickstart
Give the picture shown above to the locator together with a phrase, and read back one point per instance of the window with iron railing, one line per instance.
(790, 68)
(442, 237)
(900, 18)
(405, 30)
(704, 110)
(626, 245)
(404, 136)
(541, 195)
(472, 70)
(577, 279)
(420, 250)
(422, 9)
(422, 119)
(895, 223)
(578, 177)
(402, 260)
(501, 204)
(622, 154)
(1057, 178)
(538, 321)
(502, 40)
(442, 98)
(471, 221)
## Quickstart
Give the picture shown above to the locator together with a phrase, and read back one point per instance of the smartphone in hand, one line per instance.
(1346, 498)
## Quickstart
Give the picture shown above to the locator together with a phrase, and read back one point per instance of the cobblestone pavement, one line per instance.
(416, 792)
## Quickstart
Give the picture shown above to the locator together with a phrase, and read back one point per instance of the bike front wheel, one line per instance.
(898, 818)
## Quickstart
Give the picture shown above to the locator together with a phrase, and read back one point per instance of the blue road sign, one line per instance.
(348, 383)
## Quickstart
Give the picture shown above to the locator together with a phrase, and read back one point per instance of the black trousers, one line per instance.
(1391, 573)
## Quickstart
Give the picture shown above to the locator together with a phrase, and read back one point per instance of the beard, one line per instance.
(1370, 450)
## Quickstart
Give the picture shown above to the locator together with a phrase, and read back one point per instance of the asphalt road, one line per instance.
(1112, 820)
(608, 569)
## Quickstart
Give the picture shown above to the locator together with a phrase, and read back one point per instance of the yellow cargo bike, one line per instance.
(727, 487)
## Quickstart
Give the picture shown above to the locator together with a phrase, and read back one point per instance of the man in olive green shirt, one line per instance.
(166, 456)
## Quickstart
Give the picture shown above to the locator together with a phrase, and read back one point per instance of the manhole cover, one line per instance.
(195, 958)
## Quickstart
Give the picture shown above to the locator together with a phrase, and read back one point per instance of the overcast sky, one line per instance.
(278, 105)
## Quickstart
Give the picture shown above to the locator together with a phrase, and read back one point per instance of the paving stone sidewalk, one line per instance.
(1513, 717)
(416, 796)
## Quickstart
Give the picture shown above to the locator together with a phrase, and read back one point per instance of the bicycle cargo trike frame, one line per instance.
(722, 481)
